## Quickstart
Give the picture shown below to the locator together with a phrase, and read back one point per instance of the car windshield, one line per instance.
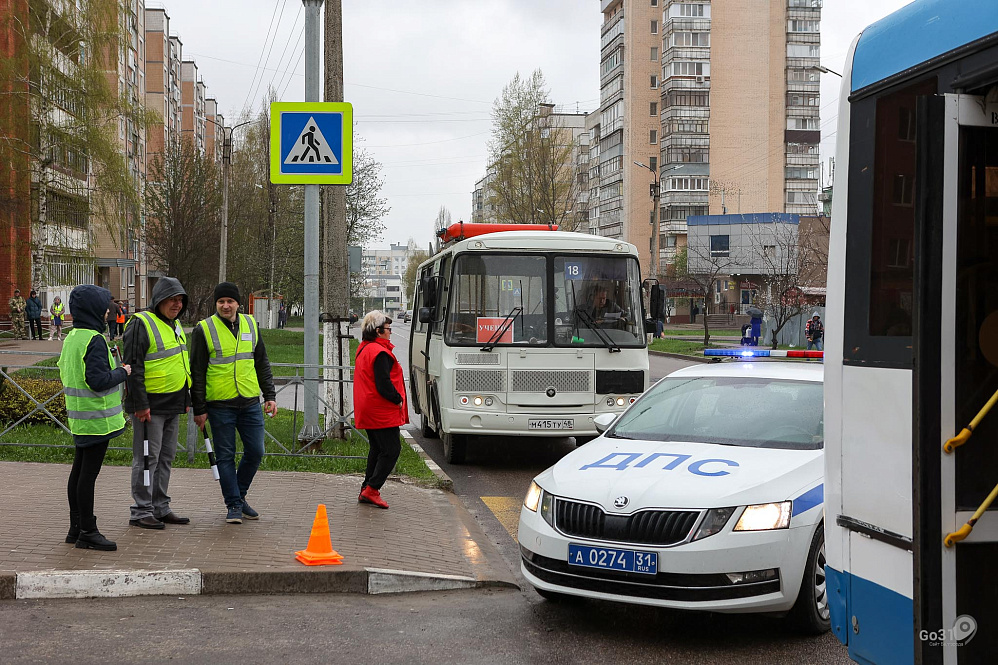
(734, 411)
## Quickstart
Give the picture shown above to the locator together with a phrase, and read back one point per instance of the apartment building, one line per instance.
(120, 254)
(192, 95)
(718, 100)
(214, 134)
(163, 61)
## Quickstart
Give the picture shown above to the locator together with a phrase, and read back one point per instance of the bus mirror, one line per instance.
(603, 421)
(426, 314)
(428, 292)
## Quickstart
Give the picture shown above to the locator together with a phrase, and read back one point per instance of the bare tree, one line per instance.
(700, 265)
(183, 200)
(366, 208)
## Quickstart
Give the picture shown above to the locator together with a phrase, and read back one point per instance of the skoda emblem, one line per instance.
(620, 502)
(551, 392)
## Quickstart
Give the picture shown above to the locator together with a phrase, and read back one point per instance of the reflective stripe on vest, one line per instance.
(167, 365)
(225, 351)
(90, 412)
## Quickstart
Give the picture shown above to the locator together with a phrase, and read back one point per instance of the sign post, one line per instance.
(311, 144)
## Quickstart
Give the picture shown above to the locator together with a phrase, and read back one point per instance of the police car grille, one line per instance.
(537, 381)
(649, 527)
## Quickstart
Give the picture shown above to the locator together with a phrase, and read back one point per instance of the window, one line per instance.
(654, 82)
(688, 68)
(612, 62)
(899, 253)
(690, 10)
(670, 241)
(654, 3)
(689, 98)
(680, 213)
(798, 25)
(653, 136)
(803, 51)
(653, 109)
(904, 187)
(802, 123)
(906, 124)
(612, 87)
(653, 163)
(691, 39)
(689, 154)
(803, 99)
(688, 184)
(800, 198)
(654, 27)
(719, 247)
(801, 173)
(797, 75)
(654, 54)
(688, 126)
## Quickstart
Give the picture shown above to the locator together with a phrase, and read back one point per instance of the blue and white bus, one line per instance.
(911, 350)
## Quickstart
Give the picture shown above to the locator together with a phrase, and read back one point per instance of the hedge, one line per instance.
(14, 404)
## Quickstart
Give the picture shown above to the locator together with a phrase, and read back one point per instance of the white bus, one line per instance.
(911, 353)
(525, 332)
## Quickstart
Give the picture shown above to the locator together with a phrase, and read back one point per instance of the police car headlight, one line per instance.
(533, 497)
(764, 517)
(713, 521)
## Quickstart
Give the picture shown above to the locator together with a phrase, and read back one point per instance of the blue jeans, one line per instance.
(224, 423)
(818, 344)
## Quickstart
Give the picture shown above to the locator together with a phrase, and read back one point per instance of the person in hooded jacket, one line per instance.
(379, 403)
(93, 408)
(33, 312)
(158, 392)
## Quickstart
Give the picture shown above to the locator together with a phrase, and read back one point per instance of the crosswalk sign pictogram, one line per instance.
(311, 143)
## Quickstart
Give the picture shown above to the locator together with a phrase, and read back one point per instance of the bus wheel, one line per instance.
(810, 613)
(424, 425)
(455, 447)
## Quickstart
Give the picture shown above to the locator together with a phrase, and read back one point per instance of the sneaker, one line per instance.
(249, 513)
(372, 496)
(234, 515)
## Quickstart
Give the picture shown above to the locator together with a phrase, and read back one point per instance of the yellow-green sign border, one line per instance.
(278, 178)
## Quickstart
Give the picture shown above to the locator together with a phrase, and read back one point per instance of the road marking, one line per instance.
(507, 511)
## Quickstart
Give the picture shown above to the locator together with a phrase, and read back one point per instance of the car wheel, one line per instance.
(810, 613)
(427, 430)
(455, 447)
(583, 440)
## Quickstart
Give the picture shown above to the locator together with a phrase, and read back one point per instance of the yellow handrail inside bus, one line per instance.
(962, 437)
(964, 531)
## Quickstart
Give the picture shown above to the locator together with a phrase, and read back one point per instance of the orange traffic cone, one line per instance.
(320, 550)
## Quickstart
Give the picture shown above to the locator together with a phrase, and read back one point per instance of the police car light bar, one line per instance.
(761, 353)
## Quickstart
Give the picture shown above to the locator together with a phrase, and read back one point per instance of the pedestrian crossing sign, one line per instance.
(311, 143)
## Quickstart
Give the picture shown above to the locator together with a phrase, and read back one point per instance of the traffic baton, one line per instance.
(210, 451)
(145, 454)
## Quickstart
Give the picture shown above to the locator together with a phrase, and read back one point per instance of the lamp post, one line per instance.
(226, 161)
(656, 193)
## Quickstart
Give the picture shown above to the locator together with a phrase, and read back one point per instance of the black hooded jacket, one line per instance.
(87, 304)
(136, 344)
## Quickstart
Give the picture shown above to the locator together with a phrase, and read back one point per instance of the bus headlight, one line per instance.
(620, 401)
(488, 401)
(478, 401)
(764, 517)
(533, 497)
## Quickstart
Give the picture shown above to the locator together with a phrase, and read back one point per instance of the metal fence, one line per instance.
(14, 363)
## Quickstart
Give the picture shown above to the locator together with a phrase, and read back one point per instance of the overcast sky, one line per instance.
(422, 77)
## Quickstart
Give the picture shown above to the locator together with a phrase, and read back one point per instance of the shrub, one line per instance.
(14, 404)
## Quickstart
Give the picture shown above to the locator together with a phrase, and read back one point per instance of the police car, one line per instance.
(705, 494)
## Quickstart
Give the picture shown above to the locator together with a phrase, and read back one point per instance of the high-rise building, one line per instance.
(214, 135)
(717, 99)
(163, 58)
(192, 93)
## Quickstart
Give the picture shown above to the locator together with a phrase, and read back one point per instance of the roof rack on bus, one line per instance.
(465, 230)
(762, 353)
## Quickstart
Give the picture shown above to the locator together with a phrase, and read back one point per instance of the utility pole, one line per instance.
(310, 429)
(656, 194)
(336, 262)
(223, 242)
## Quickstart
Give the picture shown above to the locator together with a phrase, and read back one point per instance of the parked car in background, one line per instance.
(407, 317)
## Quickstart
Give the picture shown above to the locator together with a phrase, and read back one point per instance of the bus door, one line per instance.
(425, 342)
(956, 333)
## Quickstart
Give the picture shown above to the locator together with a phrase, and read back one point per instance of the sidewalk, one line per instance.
(426, 541)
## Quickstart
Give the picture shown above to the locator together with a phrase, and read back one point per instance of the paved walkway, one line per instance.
(426, 540)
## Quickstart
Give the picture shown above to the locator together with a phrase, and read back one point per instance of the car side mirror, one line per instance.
(603, 421)
(426, 314)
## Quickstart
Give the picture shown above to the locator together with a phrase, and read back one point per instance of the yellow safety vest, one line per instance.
(231, 371)
(167, 365)
(90, 412)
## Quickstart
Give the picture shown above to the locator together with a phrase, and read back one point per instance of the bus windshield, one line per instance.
(490, 292)
(597, 301)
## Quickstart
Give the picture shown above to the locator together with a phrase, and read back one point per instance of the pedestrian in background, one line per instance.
(58, 312)
(33, 312)
(282, 316)
(158, 392)
(122, 317)
(93, 407)
(379, 403)
(814, 331)
(229, 369)
(17, 306)
(112, 320)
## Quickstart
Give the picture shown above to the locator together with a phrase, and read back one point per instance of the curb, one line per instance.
(679, 356)
(446, 483)
(193, 582)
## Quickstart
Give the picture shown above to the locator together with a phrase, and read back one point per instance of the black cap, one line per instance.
(227, 290)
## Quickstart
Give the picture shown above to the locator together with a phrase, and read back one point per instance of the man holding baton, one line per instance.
(229, 370)
(158, 392)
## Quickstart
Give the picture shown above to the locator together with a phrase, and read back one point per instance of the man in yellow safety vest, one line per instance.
(229, 370)
(158, 392)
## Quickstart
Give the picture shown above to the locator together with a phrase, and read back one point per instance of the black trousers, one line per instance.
(35, 328)
(82, 479)
(385, 450)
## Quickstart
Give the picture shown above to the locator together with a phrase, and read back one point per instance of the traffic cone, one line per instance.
(320, 550)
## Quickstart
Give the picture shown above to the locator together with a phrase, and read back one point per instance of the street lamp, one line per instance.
(226, 161)
(656, 193)
(826, 70)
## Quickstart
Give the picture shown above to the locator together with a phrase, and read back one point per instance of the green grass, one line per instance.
(288, 346)
(410, 464)
(686, 332)
(681, 346)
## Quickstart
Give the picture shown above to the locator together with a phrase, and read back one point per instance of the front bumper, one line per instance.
(690, 576)
(485, 423)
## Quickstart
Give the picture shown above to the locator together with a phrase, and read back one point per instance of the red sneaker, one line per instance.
(372, 496)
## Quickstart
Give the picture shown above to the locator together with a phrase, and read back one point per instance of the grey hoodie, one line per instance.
(136, 344)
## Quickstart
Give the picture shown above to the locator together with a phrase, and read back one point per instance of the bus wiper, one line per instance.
(501, 330)
(589, 321)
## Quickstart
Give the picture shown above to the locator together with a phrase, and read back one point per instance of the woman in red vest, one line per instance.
(379, 403)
